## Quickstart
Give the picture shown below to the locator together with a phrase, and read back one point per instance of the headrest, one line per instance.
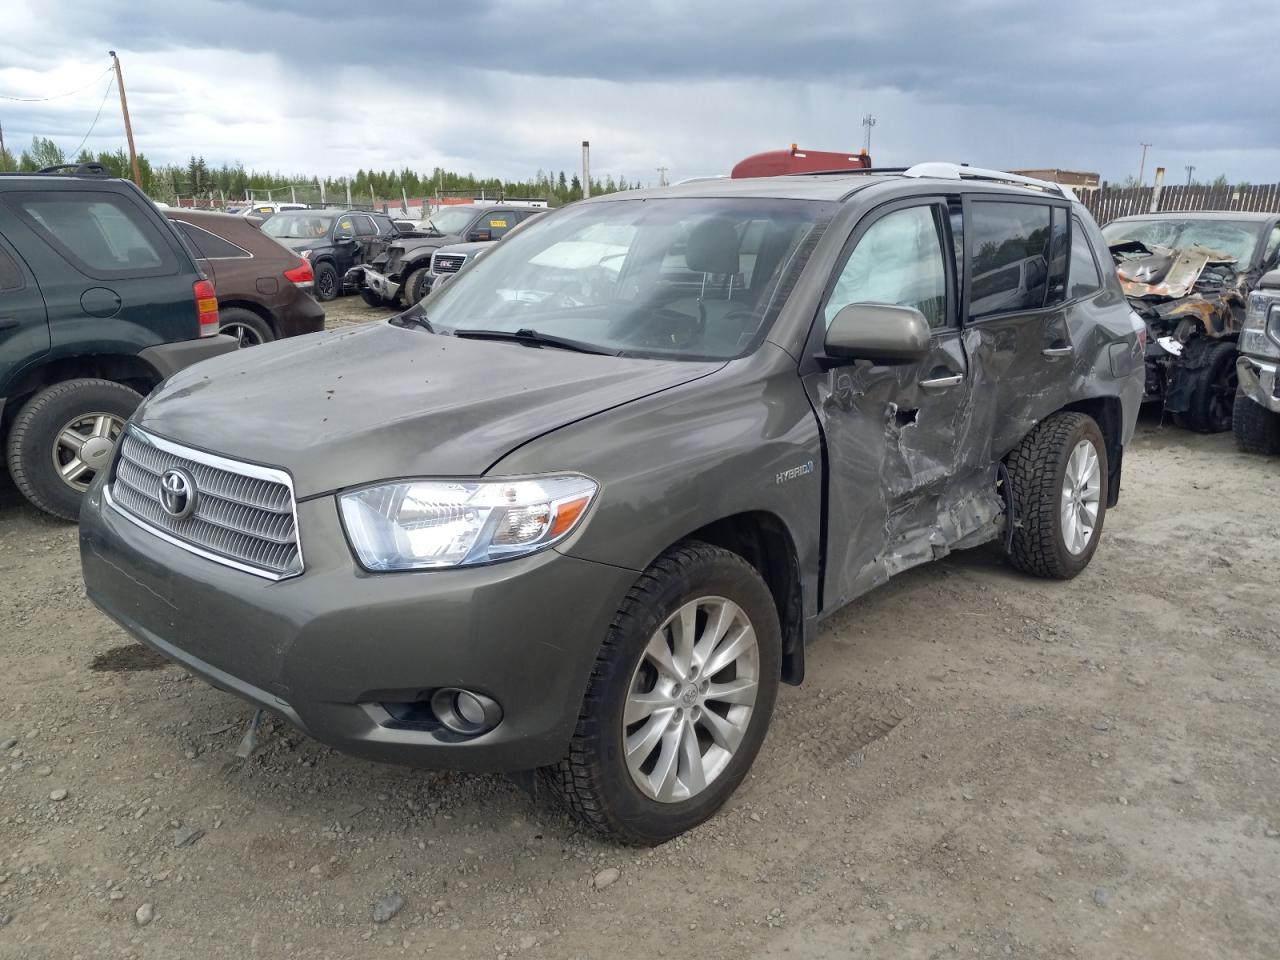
(712, 247)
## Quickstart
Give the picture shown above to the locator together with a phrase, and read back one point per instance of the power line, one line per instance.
(58, 96)
(110, 83)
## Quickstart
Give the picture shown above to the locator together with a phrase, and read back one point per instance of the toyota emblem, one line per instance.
(177, 493)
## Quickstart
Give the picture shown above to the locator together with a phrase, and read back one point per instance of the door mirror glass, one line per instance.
(878, 332)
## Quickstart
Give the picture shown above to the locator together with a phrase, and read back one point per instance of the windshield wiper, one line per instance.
(535, 339)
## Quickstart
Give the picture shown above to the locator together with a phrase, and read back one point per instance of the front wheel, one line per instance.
(679, 701)
(1257, 429)
(1212, 395)
(327, 284)
(372, 298)
(416, 286)
(1058, 479)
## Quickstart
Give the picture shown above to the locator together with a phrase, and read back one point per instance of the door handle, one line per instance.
(7, 323)
(1058, 351)
(942, 383)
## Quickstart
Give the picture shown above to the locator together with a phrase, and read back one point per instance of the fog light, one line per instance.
(465, 712)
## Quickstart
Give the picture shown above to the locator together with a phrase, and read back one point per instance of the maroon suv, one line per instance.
(263, 287)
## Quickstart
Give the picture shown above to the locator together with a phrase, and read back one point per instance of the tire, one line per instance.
(415, 286)
(372, 298)
(246, 326)
(595, 782)
(1212, 389)
(327, 285)
(34, 440)
(1257, 429)
(1040, 494)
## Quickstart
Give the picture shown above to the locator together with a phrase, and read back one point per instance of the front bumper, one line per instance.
(366, 276)
(325, 648)
(1259, 381)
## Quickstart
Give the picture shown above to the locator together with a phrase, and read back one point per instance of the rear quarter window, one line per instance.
(209, 245)
(103, 235)
(10, 275)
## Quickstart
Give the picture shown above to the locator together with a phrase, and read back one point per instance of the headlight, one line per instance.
(421, 524)
(1260, 335)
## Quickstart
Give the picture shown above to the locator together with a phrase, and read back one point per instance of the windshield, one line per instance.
(448, 221)
(298, 226)
(674, 278)
(1237, 238)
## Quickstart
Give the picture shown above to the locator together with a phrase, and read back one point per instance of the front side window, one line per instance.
(497, 224)
(345, 229)
(1009, 254)
(679, 278)
(365, 226)
(103, 234)
(897, 261)
(1083, 278)
(1273, 247)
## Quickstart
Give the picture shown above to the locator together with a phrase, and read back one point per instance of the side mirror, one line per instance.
(1269, 281)
(879, 333)
(480, 235)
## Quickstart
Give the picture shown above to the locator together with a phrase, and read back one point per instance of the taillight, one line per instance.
(302, 275)
(206, 307)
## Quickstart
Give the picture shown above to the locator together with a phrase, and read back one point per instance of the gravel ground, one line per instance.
(980, 765)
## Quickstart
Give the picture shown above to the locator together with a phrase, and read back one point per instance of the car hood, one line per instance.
(381, 402)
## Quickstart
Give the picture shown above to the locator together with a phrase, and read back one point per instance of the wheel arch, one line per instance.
(257, 309)
(1108, 414)
(764, 541)
(129, 370)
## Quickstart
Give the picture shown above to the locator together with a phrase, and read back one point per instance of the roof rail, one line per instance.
(942, 170)
(78, 169)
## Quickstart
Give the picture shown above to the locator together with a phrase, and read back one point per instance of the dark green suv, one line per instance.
(100, 300)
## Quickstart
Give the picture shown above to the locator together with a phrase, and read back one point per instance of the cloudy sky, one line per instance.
(505, 87)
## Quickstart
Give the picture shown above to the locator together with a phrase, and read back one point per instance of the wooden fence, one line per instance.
(1108, 202)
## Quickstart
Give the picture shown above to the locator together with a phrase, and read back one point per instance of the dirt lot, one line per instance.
(979, 765)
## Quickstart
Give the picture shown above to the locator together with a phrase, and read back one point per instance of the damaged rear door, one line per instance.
(895, 436)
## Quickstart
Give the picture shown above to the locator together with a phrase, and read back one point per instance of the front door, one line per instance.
(897, 437)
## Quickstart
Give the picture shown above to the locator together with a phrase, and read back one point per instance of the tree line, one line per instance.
(168, 182)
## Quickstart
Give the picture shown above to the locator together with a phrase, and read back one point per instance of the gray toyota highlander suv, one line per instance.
(581, 509)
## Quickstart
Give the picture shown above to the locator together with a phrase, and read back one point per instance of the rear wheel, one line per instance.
(1257, 429)
(1058, 486)
(1212, 390)
(327, 286)
(62, 437)
(679, 701)
(247, 327)
(415, 286)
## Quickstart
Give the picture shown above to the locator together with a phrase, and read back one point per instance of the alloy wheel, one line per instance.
(691, 698)
(83, 446)
(1081, 493)
(245, 335)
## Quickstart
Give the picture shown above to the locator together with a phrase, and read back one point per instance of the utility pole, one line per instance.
(1191, 168)
(1142, 166)
(1, 145)
(867, 123)
(586, 168)
(128, 127)
(662, 176)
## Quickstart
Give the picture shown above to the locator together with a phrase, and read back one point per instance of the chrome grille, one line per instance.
(244, 514)
(447, 263)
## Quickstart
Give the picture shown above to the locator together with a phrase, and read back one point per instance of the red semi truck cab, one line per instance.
(779, 163)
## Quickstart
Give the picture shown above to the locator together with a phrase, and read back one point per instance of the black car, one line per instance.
(100, 300)
(403, 272)
(333, 240)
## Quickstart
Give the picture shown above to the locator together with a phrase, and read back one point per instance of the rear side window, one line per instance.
(102, 234)
(1010, 255)
(210, 246)
(1084, 278)
(10, 275)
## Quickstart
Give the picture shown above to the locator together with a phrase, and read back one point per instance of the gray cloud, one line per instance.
(512, 86)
